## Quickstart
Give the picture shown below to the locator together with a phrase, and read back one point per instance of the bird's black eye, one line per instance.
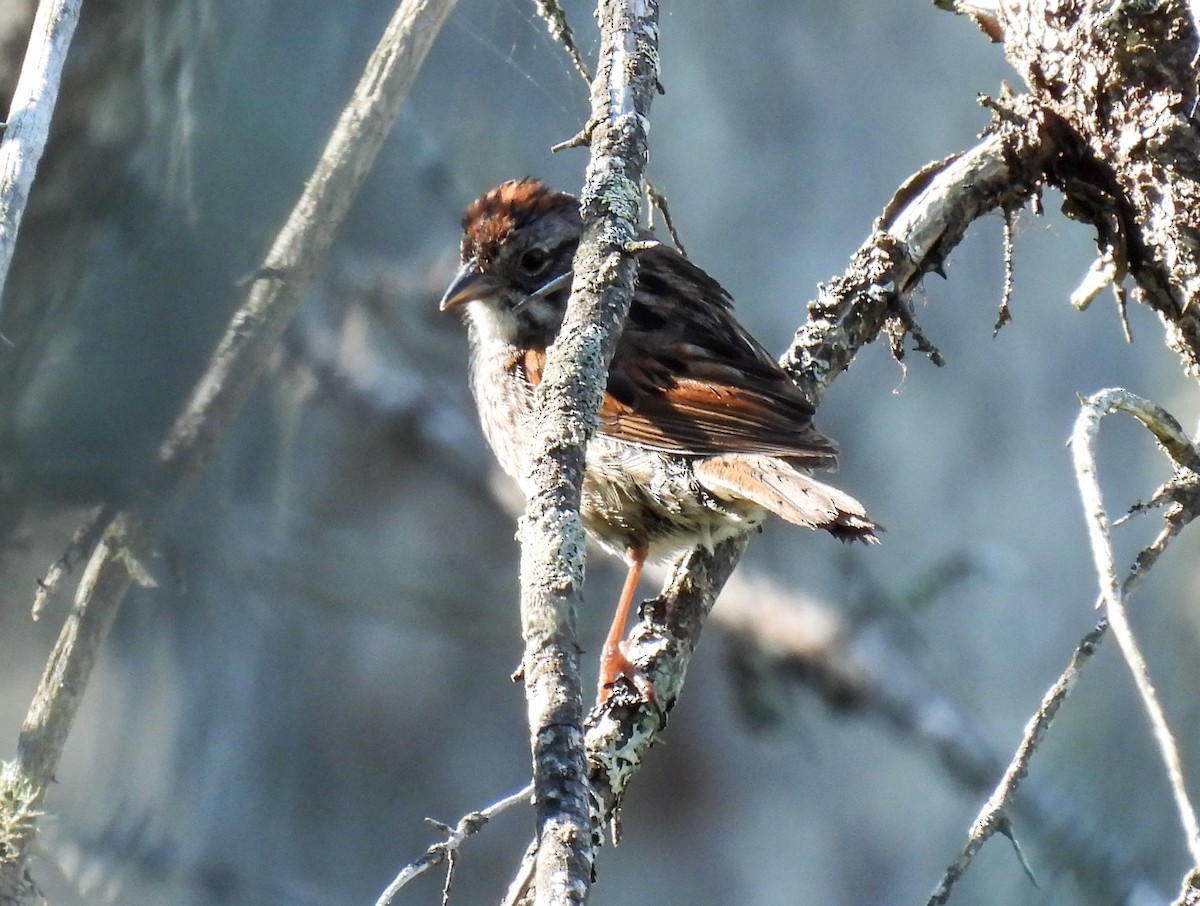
(534, 261)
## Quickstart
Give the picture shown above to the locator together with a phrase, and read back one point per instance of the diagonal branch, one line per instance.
(239, 360)
(993, 816)
(28, 124)
(928, 216)
(555, 18)
(926, 219)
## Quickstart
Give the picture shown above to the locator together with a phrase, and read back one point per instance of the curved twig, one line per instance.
(1113, 592)
(993, 816)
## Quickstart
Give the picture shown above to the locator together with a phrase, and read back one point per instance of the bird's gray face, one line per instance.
(517, 285)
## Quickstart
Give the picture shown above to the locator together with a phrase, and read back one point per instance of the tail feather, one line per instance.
(788, 492)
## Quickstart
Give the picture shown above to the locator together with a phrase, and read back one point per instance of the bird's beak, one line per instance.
(560, 282)
(469, 283)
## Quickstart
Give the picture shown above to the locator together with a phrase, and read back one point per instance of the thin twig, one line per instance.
(659, 200)
(1083, 441)
(552, 13)
(82, 543)
(1004, 315)
(468, 824)
(241, 357)
(993, 816)
(518, 890)
(28, 124)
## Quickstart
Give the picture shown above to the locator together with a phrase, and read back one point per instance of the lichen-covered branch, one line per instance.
(1121, 78)
(620, 732)
(240, 359)
(925, 220)
(567, 403)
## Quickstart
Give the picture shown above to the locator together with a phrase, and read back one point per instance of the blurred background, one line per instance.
(325, 660)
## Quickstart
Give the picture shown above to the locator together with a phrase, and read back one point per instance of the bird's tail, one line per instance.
(776, 485)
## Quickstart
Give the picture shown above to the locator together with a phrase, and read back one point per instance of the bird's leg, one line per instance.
(613, 661)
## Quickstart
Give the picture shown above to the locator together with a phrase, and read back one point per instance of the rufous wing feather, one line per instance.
(787, 492)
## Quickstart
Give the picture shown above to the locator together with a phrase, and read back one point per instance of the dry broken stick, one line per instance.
(240, 359)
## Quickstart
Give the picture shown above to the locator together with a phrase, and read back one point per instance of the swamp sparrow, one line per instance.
(701, 432)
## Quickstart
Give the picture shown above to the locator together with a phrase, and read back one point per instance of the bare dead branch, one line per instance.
(995, 814)
(28, 124)
(927, 218)
(128, 540)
